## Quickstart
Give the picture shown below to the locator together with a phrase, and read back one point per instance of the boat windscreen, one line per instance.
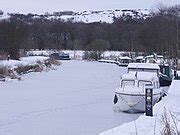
(127, 82)
(143, 70)
(143, 82)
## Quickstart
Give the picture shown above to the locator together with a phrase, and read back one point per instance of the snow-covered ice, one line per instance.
(75, 99)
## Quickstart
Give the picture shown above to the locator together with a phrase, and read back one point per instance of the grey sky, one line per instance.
(41, 6)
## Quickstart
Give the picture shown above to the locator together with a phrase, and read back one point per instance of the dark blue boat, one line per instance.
(165, 78)
(60, 56)
(64, 56)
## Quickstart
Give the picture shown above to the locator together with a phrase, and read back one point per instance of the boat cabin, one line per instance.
(131, 93)
(136, 81)
(124, 61)
(139, 59)
(144, 67)
(157, 59)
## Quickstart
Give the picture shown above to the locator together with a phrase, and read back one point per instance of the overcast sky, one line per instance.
(42, 6)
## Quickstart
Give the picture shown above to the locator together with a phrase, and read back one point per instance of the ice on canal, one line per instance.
(75, 99)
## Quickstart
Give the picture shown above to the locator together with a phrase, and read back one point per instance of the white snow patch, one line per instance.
(31, 60)
(144, 65)
(38, 53)
(34, 59)
(12, 63)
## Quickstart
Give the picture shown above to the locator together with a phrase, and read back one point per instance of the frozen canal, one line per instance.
(75, 99)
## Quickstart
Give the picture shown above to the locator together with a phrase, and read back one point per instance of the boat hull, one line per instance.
(122, 64)
(164, 81)
(133, 103)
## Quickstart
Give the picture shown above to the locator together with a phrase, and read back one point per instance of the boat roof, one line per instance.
(140, 57)
(159, 56)
(152, 56)
(147, 76)
(143, 66)
(125, 57)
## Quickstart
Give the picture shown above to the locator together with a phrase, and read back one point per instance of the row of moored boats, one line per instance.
(130, 95)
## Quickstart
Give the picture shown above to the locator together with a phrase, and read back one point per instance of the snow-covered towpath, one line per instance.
(75, 99)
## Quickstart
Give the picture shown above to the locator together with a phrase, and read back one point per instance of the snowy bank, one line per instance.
(38, 53)
(24, 61)
(167, 109)
(34, 59)
(79, 54)
(13, 68)
(11, 63)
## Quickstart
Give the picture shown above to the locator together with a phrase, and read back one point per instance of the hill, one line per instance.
(85, 16)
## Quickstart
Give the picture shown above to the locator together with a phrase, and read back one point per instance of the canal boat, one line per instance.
(130, 95)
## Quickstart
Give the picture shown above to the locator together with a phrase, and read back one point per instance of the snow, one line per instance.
(94, 16)
(75, 54)
(78, 54)
(125, 57)
(31, 60)
(140, 57)
(148, 125)
(144, 65)
(42, 6)
(178, 126)
(75, 99)
(140, 76)
(12, 63)
(34, 59)
(108, 61)
(113, 53)
(4, 16)
(38, 53)
(150, 56)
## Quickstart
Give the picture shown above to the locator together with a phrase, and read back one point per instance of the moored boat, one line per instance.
(124, 61)
(130, 96)
(165, 76)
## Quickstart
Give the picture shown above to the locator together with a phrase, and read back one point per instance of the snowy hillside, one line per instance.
(87, 16)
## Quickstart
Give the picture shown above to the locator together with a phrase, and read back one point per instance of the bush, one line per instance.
(24, 69)
(55, 62)
(92, 55)
(168, 127)
(28, 68)
(6, 72)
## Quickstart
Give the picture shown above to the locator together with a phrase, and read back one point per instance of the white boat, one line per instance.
(139, 59)
(159, 59)
(130, 96)
(124, 61)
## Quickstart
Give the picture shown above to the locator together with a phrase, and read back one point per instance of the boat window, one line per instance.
(135, 69)
(127, 82)
(143, 82)
(143, 70)
(157, 84)
(150, 70)
(125, 61)
(154, 85)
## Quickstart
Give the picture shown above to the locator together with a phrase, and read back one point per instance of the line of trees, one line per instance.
(157, 33)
